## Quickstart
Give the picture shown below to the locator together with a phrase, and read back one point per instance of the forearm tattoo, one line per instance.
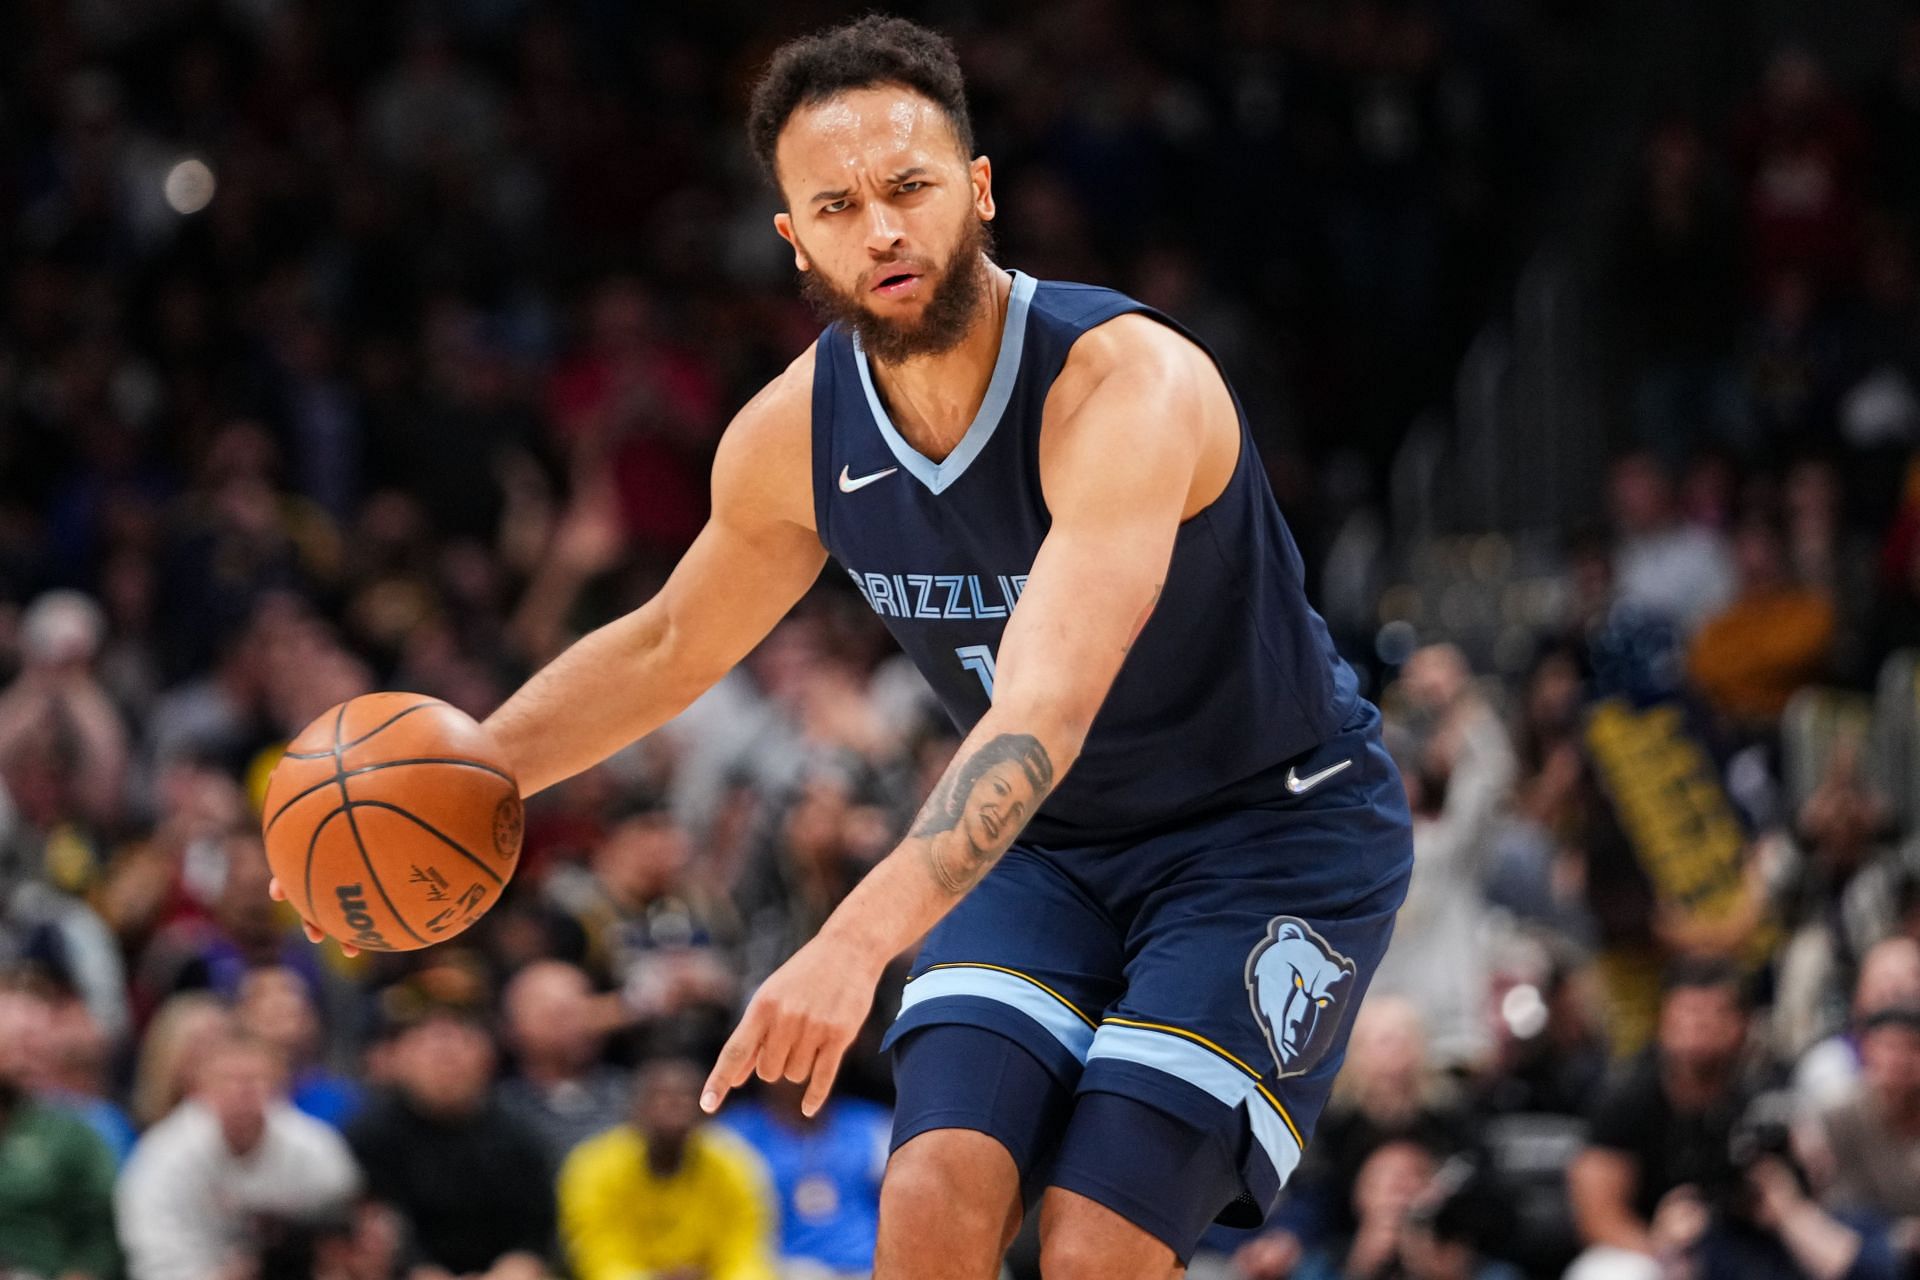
(979, 805)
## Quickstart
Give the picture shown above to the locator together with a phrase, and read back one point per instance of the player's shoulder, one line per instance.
(1132, 354)
(765, 459)
(782, 411)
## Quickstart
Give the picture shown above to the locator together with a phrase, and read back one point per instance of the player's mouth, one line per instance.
(897, 284)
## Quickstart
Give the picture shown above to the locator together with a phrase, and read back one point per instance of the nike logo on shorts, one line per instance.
(1299, 785)
(848, 484)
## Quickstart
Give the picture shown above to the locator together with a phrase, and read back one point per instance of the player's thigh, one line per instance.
(1002, 1008)
(1244, 970)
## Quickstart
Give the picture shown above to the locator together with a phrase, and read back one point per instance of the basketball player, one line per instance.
(1166, 858)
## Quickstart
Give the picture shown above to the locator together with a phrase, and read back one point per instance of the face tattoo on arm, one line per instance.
(980, 805)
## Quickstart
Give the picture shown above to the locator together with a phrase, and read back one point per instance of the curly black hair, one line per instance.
(868, 51)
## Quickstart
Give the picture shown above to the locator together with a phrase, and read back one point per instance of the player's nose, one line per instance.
(883, 228)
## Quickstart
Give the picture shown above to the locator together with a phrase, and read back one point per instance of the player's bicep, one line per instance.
(732, 586)
(1116, 482)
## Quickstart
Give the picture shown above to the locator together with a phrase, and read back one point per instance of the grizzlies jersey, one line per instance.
(1234, 674)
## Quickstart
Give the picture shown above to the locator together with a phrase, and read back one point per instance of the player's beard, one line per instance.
(960, 285)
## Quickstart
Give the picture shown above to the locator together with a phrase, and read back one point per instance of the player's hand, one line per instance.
(799, 1024)
(314, 933)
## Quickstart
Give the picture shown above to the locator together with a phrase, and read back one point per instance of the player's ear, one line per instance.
(783, 223)
(980, 171)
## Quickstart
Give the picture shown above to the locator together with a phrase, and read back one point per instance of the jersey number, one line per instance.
(978, 658)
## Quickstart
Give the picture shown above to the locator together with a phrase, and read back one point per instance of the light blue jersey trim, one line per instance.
(1056, 1019)
(1208, 1072)
(1006, 371)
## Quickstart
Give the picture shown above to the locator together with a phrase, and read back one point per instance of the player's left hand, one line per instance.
(799, 1024)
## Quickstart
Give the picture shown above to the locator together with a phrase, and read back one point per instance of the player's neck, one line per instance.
(933, 399)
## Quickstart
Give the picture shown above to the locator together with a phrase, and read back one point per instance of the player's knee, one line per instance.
(933, 1191)
(1069, 1252)
(1081, 1239)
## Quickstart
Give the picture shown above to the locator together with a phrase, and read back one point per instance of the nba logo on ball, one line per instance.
(1298, 986)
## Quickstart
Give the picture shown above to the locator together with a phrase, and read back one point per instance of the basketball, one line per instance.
(392, 821)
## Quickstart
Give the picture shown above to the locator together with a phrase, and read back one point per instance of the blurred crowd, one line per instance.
(359, 346)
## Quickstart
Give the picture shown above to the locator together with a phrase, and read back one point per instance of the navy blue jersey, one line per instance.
(1234, 674)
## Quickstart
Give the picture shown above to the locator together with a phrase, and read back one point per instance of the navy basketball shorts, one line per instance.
(1156, 1024)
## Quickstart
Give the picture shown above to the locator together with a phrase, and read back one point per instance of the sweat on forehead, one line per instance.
(881, 128)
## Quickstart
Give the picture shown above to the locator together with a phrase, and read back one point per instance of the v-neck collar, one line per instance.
(993, 406)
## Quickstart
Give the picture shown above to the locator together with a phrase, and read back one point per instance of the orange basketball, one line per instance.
(393, 821)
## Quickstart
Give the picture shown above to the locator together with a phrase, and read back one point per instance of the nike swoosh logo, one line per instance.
(848, 484)
(1298, 784)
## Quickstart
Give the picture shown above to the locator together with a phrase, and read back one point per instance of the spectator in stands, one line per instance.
(62, 741)
(182, 1030)
(1389, 1090)
(56, 1175)
(1672, 571)
(1550, 1053)
(456, 1165)
(1843, 897)
(1552, 788)
(201, 1184)
(649, 929)
(1829, 1072)
(801, 871)
(557, 1030)
(667, 1193)
(826, 1173)
(1773, 638)
(1870, 1142)
(1458, 778)
(1415, 1220)
(76, 1070)
(276, 1005)
(242, 929)
(1659, 1147)
(1802, 1241)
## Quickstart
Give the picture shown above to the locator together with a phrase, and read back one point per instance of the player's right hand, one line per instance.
(314, 932)
(799, 1024)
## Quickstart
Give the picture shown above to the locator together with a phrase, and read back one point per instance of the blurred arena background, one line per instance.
(359, 345)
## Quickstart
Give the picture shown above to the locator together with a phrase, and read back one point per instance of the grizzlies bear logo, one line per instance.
(1298, 986)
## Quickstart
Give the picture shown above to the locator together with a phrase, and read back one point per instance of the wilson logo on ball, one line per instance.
(353, 904)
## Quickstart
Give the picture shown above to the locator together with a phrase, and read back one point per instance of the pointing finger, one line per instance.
(734, 1064)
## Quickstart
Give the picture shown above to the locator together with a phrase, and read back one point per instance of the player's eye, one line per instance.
(838, 206)
(907, 188)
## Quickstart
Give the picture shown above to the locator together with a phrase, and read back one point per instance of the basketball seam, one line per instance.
(346, 802)
(431, 830)
(339, 746)
(369, 768)
(313, 842)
